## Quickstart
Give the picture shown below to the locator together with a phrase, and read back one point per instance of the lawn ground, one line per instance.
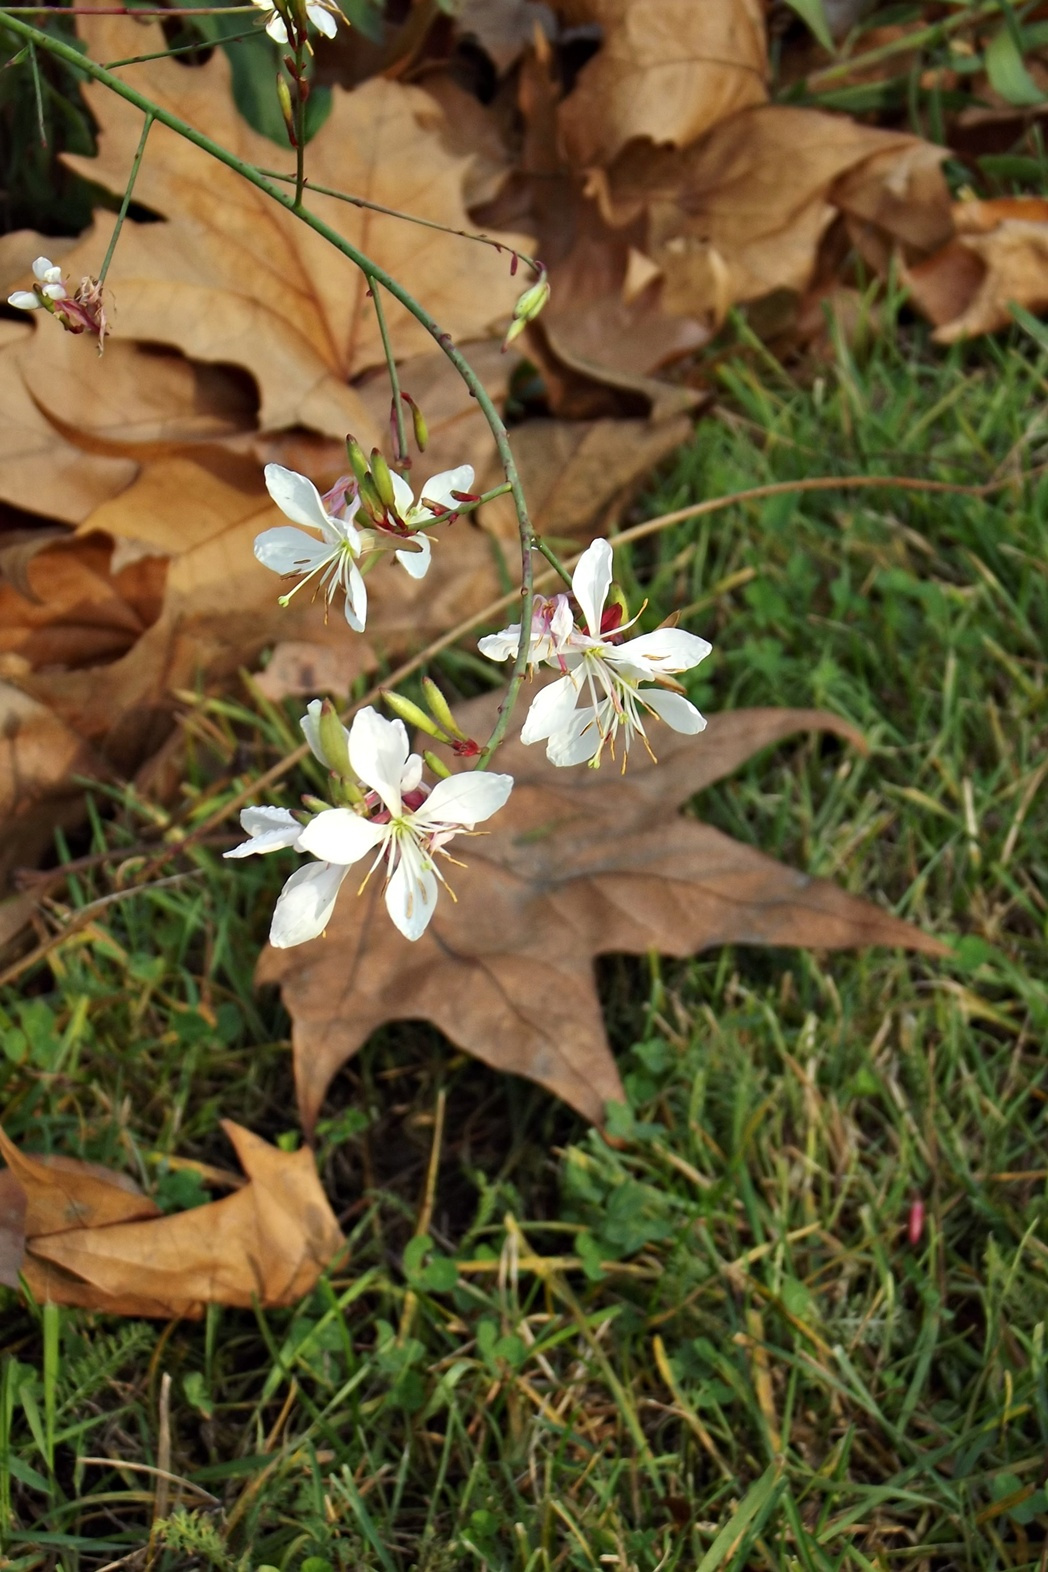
(795, 1318)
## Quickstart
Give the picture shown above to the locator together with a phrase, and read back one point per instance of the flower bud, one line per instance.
(334, 744)
(357, 460)
(383, 480)
(314, 804)
(439, 768)
(527, 308)
(370, 500)
(284, 100)
(411, 715)
(440, 709)
(418, 421)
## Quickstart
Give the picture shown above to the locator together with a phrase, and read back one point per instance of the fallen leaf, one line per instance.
(742, 213)
(90, 1238)
(998, 258)
(578, 864)
(667, 70)
(504, 28)
(39, 753)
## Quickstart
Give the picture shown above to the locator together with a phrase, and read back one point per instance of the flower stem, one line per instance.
(126, 203)
(300, 116)
(408, 218)
(551, 557)
(401, 458)
(72, 56)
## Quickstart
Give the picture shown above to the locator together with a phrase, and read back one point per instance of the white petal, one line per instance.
(465, 799)
(403, 496)
(286, 550)
(411, 894)
(322, 20)
(416, 562)
(296, 497)
(562, 622)
(578, 742)
(310, 724)
(551, 710)
(270, 829)
(591, 582)
(24, 299)
(411, 778)
(439, 489)
(500, 646)
(341, 836)
(675, 710)
(56, 292)
(356, 598)
(278, 32)
(667, 649)
(305, 904)
(45, 270)
(378, 752)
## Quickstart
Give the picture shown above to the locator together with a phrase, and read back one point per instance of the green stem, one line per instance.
(126, 203)
(551, 557)
(905, 44)
(135, 11)
(248, 172)
(178, 49)
(38, 93)
(300, 116)
(408, 218)
(401, 457)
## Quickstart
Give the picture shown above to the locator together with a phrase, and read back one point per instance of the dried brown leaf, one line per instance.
(577, 865)
(91, 1239)
(667, 70)
(998, 258)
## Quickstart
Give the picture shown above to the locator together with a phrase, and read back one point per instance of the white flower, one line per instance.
(405, 834)
(551, 627)
(415, 515)
(609, 674)
(322, 16)
(291, 551)
(49, 283)
(270, 829)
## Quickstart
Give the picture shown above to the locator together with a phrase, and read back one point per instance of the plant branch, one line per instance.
(125, 204)
(552, 558)
(408, 218)
(401, 457)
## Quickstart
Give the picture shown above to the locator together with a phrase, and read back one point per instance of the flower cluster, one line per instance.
(78, 313)
(321, 14)
(352, 524)
(391, 812)
(599, 699)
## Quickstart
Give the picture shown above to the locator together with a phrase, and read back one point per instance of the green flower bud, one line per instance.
(288, 113)
(383, 479)
(357, 461)
(438, 766)
(333, 741)
(411, 715)
(370, 500)
(418, 420)
(440, 709)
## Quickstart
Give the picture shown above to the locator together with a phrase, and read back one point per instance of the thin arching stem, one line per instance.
(401, 457)
(126, 203)
(223, 155)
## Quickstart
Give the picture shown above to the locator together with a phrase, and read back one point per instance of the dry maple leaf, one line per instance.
(83, 1235)
(742, 213)
(667, 70)
(576, 865)
(230, 276)
(998, 258)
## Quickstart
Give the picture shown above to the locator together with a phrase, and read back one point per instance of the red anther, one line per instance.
(915, 1225)
(611, 618)
(466, 750)
(466, 496)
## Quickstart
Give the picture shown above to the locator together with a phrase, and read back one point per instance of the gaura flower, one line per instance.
(411, 826)
(401, 820)
(608, 670)
(414, 515)
(323, 17)
(49, 286)
(551, 627)
(291, 552)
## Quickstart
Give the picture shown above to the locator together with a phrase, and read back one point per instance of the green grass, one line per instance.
(713, 1343)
